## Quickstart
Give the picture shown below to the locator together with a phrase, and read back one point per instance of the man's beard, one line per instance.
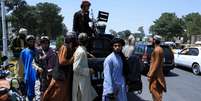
(46, 49)
(117, 52)
(32, 47)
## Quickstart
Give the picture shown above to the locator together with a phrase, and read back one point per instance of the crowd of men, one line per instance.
(64, 75)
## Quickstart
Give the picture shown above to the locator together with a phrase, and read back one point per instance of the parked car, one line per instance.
(53, 44)
(189, 57)
(198, 42)
(170, 43)
(144, 51)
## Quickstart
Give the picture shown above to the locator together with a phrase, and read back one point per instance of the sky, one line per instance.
(126, 14)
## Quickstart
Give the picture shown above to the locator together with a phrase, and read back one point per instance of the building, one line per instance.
(195, 38)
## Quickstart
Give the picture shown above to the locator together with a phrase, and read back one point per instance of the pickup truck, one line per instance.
(100, 47)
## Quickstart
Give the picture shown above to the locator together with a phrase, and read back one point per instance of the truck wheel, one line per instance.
(196, 69)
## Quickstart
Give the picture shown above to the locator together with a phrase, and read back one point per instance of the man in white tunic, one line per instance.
(128, 49)
(82, 88)
(114, 87)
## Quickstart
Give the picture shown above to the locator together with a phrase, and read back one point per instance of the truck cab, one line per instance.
(100, 47)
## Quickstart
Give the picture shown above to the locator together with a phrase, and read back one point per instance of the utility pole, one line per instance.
(5, 45)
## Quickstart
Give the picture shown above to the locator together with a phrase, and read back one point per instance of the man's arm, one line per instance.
(62, 56)
(108, 77)
(36, 67)
(75, 22)
(52, 62)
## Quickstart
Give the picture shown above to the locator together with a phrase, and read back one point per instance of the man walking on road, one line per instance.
(155, 75)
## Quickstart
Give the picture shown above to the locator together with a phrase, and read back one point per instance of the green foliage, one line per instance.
(141, 29)
(192, 24)
(113, 32)
(44, 18)
(49, 19)
(168, 26)
(124, 34)
(59, 41)
(13, 4)
(25, 16)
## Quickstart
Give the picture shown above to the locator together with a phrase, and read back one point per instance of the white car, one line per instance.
(170, 43)
(189, 57)
(53, 45)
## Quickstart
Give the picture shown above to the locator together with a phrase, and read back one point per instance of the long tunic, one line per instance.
(114, 81)
(61, 83)
(128, 50)
(82, 88)
(29, 72)
(157, 80)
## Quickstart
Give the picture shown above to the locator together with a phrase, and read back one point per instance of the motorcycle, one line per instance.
(8, 86)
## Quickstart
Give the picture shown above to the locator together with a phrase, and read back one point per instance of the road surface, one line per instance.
(182, 85)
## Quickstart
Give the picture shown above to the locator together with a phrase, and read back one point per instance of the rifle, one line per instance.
(94, 27)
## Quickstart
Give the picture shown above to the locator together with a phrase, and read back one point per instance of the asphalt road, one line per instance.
(182, 85)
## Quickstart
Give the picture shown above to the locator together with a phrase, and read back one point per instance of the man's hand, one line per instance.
(40, 70)
(111, 96)
(42, 57)
(90, 55)
(91, 71)
(148, 78)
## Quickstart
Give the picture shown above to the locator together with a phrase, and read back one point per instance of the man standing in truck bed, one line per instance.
(81, 19)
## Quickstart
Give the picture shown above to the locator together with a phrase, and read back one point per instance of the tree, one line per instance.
(113, 32)
(25, 16)
(59, 41)
(168, 26)
(124, 34)
(44, 18)
(50, 22)
(13, 4)
(192, 24)
(10, 5)
(65, 29)
(141, 29)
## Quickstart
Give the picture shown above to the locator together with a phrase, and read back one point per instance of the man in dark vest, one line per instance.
(81, 19)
